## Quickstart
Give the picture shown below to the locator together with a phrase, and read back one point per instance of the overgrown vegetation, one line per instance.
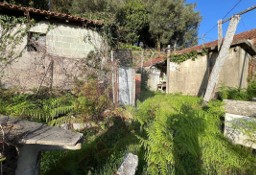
(191, 55)
(238, 93)
(171, 134)
(87, 102)
(102, 153)
(179, 136)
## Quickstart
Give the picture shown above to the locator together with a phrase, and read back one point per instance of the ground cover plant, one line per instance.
(171, 134)
(180, 136)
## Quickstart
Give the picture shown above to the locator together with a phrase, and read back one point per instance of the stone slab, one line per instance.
(245, 108)
(27, 132)
(234, 124)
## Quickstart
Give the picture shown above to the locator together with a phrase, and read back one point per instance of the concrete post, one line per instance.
(28, 161)
(224, 53)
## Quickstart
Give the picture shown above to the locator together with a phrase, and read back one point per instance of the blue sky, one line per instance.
(213, 10)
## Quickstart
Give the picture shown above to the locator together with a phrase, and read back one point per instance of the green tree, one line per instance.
(173, 21)
(62, 6)
(132, 19)
(32, 3)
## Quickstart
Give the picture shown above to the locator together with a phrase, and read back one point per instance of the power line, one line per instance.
(241, 13)
(232, 9)
(223, 17)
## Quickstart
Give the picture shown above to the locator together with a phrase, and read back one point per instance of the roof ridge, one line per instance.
(249, 34)
(59, 15)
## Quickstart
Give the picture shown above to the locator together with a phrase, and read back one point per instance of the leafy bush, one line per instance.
(251, 89)
(93, 99)
(237, 93)
(180, 137)
(233, 93)
(89, 102)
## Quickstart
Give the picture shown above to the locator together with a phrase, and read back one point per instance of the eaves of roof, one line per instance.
(50, 14)
(238, 39)
(246, 40)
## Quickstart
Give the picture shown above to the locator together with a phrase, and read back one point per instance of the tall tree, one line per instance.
(60, 5)
(172, 21)
(33, 3)
(132, 19)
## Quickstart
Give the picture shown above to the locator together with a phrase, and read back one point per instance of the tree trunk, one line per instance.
(158, 44)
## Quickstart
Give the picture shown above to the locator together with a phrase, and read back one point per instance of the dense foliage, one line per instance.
(171, 134)
(238, 93)
(87, 102)
(155, 23)
(181, 137)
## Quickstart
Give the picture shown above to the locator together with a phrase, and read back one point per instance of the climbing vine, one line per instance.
(12, 31)
(191, 55)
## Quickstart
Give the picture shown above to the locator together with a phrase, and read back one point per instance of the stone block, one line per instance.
(238, 131)
(129, 165)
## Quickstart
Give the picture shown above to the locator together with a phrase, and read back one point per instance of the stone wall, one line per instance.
(59, 60)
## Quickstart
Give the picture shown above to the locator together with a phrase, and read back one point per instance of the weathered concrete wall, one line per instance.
(66, 46)
(235, 69)
(188, 77)
(191, 77)
(72, 41)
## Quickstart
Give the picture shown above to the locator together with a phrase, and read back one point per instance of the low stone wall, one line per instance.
(240, 121)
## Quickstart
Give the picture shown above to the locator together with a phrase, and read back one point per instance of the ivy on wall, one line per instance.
(191, 55)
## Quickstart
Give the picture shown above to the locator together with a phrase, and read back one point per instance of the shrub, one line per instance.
(237, 93)
(93, 99)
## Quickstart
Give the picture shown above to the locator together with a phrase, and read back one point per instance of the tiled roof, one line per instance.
(51, 14)
(248, 35)
(154, 61)
(251, 34)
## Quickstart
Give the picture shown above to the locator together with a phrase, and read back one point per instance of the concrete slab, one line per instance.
(30, 138)
(236, 127)
(27, 132)
(245, 108)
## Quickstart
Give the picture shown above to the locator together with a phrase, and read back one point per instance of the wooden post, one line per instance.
(168, 69)
(115, 79)
(223, 54)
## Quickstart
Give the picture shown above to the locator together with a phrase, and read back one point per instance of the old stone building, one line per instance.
(53, 51)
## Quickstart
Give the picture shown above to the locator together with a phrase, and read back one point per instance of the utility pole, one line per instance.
(223, 51)
(223, 54)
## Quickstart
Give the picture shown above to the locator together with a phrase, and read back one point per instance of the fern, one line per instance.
(42, 110)
(180, 137)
